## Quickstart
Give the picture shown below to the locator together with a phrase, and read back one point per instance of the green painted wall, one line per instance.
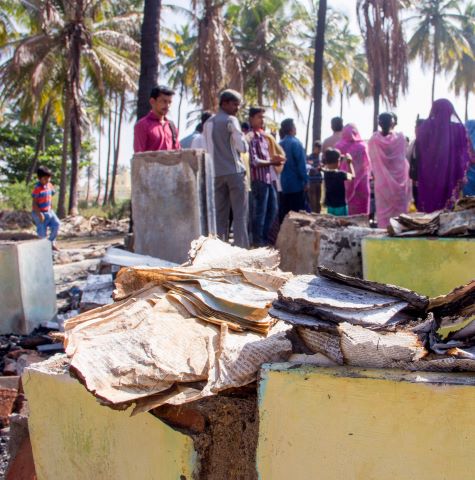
(356, 424)
(430, 266)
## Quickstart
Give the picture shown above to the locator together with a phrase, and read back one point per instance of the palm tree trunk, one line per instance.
(116, 152)
(179, 105)
(150, 37)
(64, 159)
(109, 146)
(88, 186)
(434, 70)
(341, 102)
(74, 72)
(99, 183)
(318, 70)
(260, 90)
(376, 100)
(40, 143)
(307, 134)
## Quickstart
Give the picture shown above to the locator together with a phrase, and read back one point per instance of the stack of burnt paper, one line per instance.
(367, 324)
(444, 223)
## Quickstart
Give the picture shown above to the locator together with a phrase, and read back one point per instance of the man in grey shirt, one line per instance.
(225, 142)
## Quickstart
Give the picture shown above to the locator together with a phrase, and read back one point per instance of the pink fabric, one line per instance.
(391, 175)
(151, 135)
(357, 190)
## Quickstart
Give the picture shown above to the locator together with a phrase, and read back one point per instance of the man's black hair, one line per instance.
(317, 143)
(204, 116)
(337, 124)
(255, 110)
(385, 121)
(331, 156)
(161, 90)
(229, 96)
(245, 127)
(287, 126)
(43, 172)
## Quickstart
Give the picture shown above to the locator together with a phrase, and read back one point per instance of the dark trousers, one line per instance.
(314, 196)
(264, 211)
(291, 202)
(231, 193)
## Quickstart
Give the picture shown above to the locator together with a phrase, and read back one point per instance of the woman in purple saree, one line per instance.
(442, 157)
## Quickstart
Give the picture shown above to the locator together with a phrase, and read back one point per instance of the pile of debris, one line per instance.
(349, 321)
(15, 220)
(94, 226)
(307, 240)
(179, 334)
(78, 226)
(458, 222)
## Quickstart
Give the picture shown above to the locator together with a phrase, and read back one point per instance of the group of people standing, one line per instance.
(259, 180)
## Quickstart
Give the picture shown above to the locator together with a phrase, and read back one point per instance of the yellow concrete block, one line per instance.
(355, 424)
(75, 438)
(430, 266)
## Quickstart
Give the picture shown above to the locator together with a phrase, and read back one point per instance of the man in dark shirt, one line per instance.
(334, 178)
(315, 177)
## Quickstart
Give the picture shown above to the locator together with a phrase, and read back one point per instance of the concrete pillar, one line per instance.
(27, 289)
(172, 202)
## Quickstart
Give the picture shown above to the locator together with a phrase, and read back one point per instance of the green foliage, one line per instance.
(18, 144)
(16, 196)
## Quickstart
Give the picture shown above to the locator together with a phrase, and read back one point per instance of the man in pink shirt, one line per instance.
(155, 131)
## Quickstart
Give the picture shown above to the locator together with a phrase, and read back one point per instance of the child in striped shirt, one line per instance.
(42, 207)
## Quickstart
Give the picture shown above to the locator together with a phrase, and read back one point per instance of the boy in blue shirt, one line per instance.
(42, 207)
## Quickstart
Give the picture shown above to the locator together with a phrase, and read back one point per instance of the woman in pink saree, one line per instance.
(387, 151)
(357, 190)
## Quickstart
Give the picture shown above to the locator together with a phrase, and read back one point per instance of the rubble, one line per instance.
(307, 241)
(458, 222)
(76, 226)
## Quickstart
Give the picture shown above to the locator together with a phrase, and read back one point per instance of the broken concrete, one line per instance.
(172, 202)
(26, 302)
(307, 241)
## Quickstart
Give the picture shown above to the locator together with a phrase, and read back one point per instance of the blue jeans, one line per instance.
(51, 221)
(264, 211)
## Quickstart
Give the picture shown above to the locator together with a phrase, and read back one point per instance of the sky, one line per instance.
(416, 101)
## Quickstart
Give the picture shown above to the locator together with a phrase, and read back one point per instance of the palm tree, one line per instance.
(181, 69)
(318, 69)
(219, 65)
(464, 78)
(344, 66)
(149, 61)
(265, 37)
(69, 42)
(386, 49)
(438, 39)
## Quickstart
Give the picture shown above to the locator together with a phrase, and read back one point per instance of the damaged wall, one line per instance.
(74, 437)
(25, 302)
(428, 265)
(348, 423)
(172, 202)
(307, 240)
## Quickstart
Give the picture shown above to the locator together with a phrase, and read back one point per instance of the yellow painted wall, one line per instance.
(354, 424)
(430, 266)
(75, 438)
